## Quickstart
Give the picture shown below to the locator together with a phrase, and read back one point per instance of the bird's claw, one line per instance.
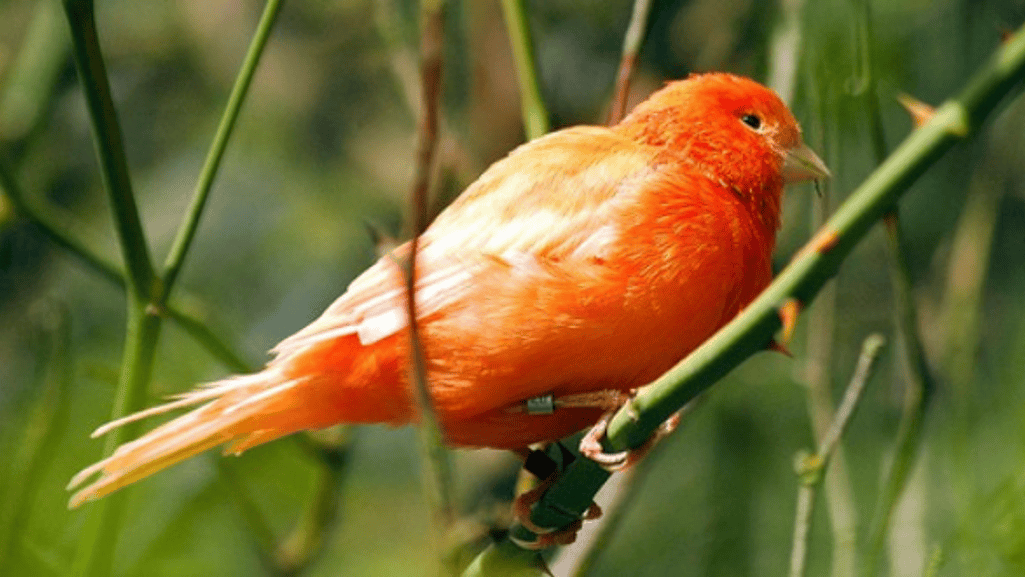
(547, 536)
(590, 444)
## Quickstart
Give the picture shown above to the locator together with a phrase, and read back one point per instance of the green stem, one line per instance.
(109, 146)
(195, 328)
(438, 475)
(535, 116)
(55, 232)
(631, 50)
(918, 391)
(809, 468)
(187, 230)
(752, 330)
(98, 540)
(202, 334)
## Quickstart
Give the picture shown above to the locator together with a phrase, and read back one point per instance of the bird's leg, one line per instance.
(539, 464)
(590, 444)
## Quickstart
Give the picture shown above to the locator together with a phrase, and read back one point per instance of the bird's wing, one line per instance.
(551, 202)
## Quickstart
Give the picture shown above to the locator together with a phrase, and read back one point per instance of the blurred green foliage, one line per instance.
(324, 145)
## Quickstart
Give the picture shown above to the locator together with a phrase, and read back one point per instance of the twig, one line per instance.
(109, 146)
(918, 390)
(752, 329)
(194, 327)
(535, 116)
(819, 354)
(631, 49)
(307, 540)
(809, 468)
(55, 232)
(187, 230)
(431, 435)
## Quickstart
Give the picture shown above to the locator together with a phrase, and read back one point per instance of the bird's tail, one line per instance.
(243, 410)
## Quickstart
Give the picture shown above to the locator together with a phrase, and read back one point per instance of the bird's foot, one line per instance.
(547, 536)
(590, 444)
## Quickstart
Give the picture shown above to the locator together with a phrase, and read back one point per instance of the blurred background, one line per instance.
(324, 150)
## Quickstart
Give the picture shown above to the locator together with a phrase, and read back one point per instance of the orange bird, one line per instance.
(581, 266)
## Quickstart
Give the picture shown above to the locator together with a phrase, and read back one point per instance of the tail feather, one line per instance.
(249, 410)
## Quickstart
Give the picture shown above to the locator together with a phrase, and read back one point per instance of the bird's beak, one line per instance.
(800, 164)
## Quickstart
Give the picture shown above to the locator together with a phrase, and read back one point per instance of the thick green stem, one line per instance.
(98, 540)
(187, 230)
(535, 116)
(752, 330)
(109, 146)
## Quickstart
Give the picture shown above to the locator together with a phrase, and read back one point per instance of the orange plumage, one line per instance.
(590, 260)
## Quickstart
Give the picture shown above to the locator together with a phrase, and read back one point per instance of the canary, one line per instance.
(581, 266)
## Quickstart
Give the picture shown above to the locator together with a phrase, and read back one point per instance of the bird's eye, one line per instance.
(752, 121)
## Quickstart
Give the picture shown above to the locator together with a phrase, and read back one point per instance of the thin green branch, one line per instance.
(436, 458)
(535, 116)
(194, 327)
(307, 541)
(631, 50)
(865, 78)
(918, 382)
(918, 390)
(821, 324)
(255, 524)
(187, 230)
(109, 146)
(752, 330)
(809, 468)
(55, 232)
(202, 334)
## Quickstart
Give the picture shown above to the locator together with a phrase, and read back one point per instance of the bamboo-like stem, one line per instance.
(751, 331)
(632, 41)
(109, 146)
(535, 115)
(436, 458)
(809, 468)
(187, 230)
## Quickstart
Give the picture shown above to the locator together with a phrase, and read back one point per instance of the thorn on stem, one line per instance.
(825, 241)
(921, 113)
(788, 313)
(775, 345)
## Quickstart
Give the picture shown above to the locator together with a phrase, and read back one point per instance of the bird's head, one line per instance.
(733, 130)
